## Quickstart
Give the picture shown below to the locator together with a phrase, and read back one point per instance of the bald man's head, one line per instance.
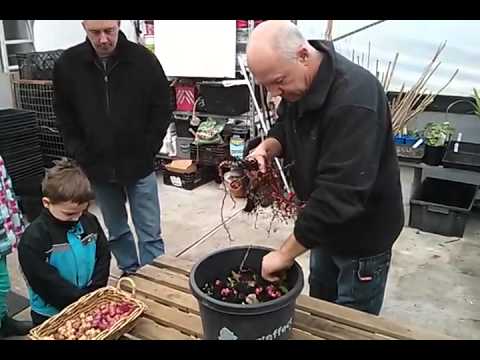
(103, 35)
(281, 59)
(281, 36)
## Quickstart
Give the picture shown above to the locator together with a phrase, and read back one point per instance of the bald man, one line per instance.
(334, 129)
(113, 109)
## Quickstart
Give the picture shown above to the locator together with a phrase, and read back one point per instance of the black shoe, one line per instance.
(12, 327)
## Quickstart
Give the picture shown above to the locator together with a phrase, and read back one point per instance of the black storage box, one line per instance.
(407, 153)
(225, 100)
(211, 155)
(182, 127)
(441, 206)
(467, 157)
(238, 128)
(191, 181)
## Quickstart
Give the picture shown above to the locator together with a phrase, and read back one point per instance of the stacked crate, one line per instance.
(38, 96)
(22, 154)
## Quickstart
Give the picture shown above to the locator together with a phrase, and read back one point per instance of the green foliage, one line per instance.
(436, 134)
(476, 105)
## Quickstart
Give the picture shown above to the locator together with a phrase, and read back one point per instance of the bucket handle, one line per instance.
(438, 210)
(132, 285)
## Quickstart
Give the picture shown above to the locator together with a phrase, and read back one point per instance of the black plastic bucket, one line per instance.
(272, 320)
(433, 155)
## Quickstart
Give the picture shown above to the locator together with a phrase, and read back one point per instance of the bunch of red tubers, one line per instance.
(89, 325)
(245, 287)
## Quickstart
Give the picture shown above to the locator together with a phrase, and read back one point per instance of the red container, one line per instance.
(242, 24)
(185, 95)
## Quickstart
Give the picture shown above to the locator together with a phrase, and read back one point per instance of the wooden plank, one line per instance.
(188, 303)
(147, 329)
(165, 277)
(168, 316)
(163, 294)
(174, 321)
(129, 336)
(340, 314)
(298, 334)
(361, 320)
(179, 265)
(329, 329)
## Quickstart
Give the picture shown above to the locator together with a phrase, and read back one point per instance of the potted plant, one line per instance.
(235, 302)
(436, 136)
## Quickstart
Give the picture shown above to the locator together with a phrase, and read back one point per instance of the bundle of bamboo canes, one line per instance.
(409, 104)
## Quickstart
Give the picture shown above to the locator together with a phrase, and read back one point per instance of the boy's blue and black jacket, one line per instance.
(61, 262)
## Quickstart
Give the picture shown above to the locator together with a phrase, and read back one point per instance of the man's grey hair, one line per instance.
(288, 40)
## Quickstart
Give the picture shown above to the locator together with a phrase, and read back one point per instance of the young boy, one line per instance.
(63, 253)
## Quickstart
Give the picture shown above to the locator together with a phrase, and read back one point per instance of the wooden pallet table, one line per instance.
(173, 312)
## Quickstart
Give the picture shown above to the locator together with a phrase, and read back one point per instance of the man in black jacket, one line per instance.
(335, 131)
(113, 109)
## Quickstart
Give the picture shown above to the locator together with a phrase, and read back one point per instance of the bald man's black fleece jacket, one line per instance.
(338, 140)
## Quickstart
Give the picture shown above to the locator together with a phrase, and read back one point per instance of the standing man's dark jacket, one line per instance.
(113, 122)
(339, 139)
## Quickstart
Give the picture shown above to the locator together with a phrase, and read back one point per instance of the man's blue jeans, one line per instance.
(358, 283)
(145, 211)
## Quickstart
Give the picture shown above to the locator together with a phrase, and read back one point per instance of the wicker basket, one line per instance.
(90, 302)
